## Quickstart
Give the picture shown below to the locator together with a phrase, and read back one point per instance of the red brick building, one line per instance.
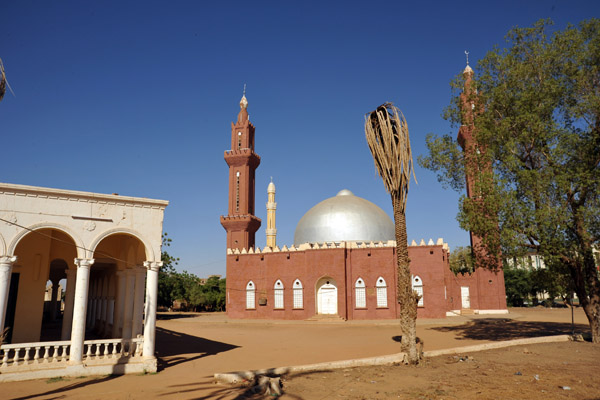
(343, 260)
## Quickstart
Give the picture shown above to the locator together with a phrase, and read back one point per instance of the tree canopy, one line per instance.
(537, 124)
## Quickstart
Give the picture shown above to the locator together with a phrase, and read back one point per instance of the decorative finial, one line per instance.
(466, 53)
(271, 179)
(244, 102)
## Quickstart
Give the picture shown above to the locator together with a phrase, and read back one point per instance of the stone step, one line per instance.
(326, 318)
(467, 311)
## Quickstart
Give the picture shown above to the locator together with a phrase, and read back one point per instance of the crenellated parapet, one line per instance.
(333, 245)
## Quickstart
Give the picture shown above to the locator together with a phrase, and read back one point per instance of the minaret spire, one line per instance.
(240, 223)
(271, 208)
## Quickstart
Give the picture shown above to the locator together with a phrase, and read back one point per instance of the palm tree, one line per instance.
(387, 136)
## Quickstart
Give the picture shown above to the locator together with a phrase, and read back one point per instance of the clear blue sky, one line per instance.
(137, 98)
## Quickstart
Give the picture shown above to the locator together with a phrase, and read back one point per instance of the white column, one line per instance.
(119, 305)
(69, 297)
(151, 301)
(138, 302)
(6, 263)
(128, 312)
(79, 309)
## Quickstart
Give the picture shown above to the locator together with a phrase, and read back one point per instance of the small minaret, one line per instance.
(271, 207)
(240, 223)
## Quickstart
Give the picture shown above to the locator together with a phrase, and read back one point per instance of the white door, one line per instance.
(464, 295)
(327, 299)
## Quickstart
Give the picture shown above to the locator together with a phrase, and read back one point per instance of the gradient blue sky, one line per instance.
(137, 98)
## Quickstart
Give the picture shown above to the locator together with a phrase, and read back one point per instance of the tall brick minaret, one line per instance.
(490, 283)
(240, 223)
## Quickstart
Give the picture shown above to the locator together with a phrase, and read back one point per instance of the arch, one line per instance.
(250, 295)
(2, 246)
(80, 249)
(298, 292)
(326, 290)
(381, 287)
(278, 294)
(114, 231)
(360, 293)
(417, 286)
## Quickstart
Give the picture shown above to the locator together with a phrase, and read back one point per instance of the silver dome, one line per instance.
(344, 217)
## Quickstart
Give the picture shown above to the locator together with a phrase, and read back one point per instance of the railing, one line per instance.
(112, 348)
(13, 355)
(56, 354)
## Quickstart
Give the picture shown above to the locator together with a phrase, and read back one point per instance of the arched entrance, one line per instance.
(327, 296)
(43, 261)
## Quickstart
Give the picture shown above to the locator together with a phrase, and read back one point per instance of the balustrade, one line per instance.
(55, 354)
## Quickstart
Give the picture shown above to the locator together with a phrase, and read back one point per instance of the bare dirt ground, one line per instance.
(567, 370)
(192, 347)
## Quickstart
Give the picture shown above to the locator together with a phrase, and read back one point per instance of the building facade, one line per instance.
(343, 260)
(107, 248)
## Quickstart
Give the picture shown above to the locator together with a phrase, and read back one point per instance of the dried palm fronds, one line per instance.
(2, 80)
(387, 136)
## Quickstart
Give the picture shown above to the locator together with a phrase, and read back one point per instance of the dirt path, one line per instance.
(193, 348)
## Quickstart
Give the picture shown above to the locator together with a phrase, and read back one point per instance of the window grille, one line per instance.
(361, 294)
(298, 294)
(278, 294)
(250, 295)
(381, 292)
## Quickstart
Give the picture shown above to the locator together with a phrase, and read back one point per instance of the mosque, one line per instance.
(342, 263)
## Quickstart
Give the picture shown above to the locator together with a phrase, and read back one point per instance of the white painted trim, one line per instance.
(35, 191)
(491, 311)
(453, 313)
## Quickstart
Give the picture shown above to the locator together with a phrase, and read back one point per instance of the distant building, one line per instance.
(343, 260)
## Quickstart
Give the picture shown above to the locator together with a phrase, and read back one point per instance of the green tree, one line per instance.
(461, 260)
(518, 285)
(167, 276)
(537, 124)
(387, 136)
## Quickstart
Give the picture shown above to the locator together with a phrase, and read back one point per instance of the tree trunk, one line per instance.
(592, 311)
(406, 296)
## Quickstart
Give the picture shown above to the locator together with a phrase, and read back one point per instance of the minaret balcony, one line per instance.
(239, 157)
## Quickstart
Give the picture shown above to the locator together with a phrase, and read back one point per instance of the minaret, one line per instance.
(271, 207)
(240, 223)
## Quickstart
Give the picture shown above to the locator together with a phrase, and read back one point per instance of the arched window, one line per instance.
(381, 292)
(278, 289)
(417, 285)
(250, 295)
(361, 293)
(298, 294)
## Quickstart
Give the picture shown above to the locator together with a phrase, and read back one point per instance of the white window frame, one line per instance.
(298, 294)
(278, 295)
(381, 288)
(250, 296)
(360, 293)
(417, 286)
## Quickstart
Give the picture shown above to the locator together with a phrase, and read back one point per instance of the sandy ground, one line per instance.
(192, 347)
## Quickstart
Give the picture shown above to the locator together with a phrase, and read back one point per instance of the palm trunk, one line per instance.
(406, 296)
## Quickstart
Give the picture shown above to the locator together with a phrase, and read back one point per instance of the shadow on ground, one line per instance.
(174, 348)
(507, 329)
(60, 393)
(165, 316)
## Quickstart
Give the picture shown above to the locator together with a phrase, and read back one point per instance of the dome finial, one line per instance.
(244, 101)
(468, 68)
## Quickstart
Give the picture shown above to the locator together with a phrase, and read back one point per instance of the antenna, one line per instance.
(466, 53)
